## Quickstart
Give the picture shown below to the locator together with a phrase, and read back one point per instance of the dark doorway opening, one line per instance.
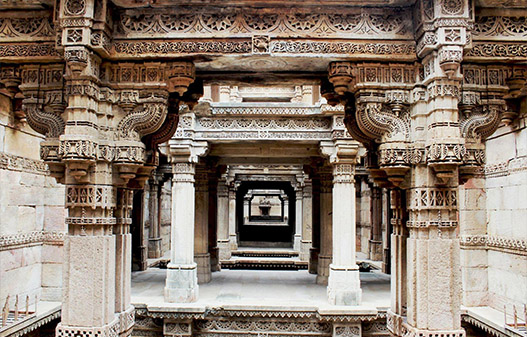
(265, 214)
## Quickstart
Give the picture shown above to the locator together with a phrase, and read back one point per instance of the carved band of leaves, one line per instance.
(498, 50)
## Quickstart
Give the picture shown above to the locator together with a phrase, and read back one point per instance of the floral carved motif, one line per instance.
(182, 24)
(498, 50)
(31, 27)
(487, 26)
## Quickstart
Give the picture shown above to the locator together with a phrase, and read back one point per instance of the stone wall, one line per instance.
(32, 216)
(506, 207)
(493, 230)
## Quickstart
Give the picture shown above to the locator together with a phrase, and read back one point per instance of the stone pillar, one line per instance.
(154, 236)
(213, 221)
(89, 272)
(201, 226)
(123, 259)
(182, 278)
(233, 238)
(246, 211)
(344, 282)
(298, 220)
(315, 234)
(326, 224)
(223, 220)
(398, 281)
(307, 220)
(376, 249)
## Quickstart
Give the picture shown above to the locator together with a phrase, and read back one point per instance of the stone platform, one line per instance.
(257, 302)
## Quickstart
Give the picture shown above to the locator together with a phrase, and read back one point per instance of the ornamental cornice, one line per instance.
(21, 240)
(17, 163)
(493, 242)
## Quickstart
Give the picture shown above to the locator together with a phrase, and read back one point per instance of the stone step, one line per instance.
(264, 253)
(266, 263)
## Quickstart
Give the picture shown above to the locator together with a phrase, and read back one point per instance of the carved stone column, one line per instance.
(326, 225)
(201, 229)
(182, 275)
(123, 259)
(233, 237)
(376, 249)
(398, 281)
(315, 234)
(223, 220)
(298, 220)
(154, 237)
(307, 220)
(343, 282)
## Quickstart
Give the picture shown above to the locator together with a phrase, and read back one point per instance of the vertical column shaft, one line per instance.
(298, 220)
(307, 220)
(201, 236)
(376, 223)
(344, 282)
(223, 221)
(182, 281)
(233, 238)
(154, 239)
(326, 224)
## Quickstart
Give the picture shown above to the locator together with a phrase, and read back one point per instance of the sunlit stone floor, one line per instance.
(259, 288)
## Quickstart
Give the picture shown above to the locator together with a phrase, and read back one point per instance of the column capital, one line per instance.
(187, 151)
(340, 151)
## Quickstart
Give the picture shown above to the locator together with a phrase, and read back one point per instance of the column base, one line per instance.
(233, 242)
(154, 248)
(297, 241)
(305, 246)
(344, 285)
(224, 249)
(323, 269)
(108, 330)
(376, 250)
(313, 260)
(126, 321)
(203, 262)
(214, 259)
(181, 283)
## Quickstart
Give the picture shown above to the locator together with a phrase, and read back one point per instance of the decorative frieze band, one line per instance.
(17, 163)
(499, 243)
(21, 240)
(502, 169)
(232, 22)
(496, 50)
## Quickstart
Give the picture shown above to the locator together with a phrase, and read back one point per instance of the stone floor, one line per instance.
(259, 288)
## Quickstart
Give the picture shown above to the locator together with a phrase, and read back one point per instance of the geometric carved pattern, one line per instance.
(433, 198)
(486, 26)
(31, 27)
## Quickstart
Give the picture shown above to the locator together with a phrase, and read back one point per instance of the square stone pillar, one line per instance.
(376, 251)
(344, 282)
(154, 237)
(307, 220)
(233, 238)
(201, 226)
(326, 224)
(298, 220)
(223, 220)
(182, 279)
